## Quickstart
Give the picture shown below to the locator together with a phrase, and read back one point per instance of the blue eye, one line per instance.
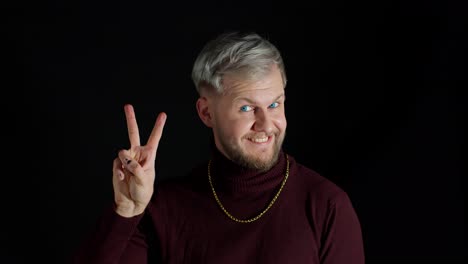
(274, 105)
(246, 108)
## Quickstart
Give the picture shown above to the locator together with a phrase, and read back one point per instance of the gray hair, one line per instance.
(234, 52)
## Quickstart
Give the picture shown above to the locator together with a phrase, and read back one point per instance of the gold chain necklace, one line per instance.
(264, 211)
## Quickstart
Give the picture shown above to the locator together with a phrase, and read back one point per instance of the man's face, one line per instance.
(249, 122)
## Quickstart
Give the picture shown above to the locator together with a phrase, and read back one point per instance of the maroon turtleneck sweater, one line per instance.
(312, 221)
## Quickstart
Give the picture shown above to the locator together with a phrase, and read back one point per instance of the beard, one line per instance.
(261, 163)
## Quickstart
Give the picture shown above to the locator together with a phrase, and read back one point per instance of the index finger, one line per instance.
(153, 140)
(132, 126)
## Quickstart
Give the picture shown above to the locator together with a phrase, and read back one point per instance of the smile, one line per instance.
(259, 140)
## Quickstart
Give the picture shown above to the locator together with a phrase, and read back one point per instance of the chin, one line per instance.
(256, 157)
(260, 161)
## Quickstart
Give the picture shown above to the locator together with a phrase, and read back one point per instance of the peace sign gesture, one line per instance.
(133, 170)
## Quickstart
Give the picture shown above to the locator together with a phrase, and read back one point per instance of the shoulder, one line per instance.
(323, 199)
(174, 197)
(316, 187)
(185, 185)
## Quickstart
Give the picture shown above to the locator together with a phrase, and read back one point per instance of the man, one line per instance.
(250, 202)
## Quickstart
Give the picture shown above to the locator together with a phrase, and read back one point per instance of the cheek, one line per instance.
(237, 126)
(240, 127)
(280, 121)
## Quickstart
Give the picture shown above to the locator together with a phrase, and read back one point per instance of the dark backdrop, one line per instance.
(371, 104)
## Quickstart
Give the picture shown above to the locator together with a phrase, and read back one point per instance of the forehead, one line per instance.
(264, 87)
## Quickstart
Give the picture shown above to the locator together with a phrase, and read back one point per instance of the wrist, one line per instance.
(128, 211)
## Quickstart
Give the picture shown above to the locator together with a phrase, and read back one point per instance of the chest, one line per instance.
(282, 235)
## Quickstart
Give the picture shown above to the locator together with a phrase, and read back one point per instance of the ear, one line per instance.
(203, 109)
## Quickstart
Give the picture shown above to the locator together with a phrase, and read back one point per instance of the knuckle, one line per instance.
(139, 171)
(122, 152)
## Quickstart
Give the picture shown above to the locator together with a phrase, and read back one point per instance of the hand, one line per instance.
(133, 170)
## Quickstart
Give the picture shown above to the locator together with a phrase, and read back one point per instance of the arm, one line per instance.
(119, 236)
(114, 239)
(341, 238)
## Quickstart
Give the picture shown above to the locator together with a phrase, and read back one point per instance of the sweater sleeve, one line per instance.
(115, 239)
(341, 237)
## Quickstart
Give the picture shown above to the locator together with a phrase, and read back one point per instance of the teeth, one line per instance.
(259, 140)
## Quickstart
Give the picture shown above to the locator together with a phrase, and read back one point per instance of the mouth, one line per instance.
(260, 140)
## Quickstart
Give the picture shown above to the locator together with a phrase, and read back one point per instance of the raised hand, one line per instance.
(133, 170)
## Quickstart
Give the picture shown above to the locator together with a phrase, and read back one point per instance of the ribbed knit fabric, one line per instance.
(312, 221)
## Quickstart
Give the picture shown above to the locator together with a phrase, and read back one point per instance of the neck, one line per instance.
(231, 177)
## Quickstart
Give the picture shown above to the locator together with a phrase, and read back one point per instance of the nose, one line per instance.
(263, 122)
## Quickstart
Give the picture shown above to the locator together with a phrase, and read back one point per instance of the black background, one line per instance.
(372, 103)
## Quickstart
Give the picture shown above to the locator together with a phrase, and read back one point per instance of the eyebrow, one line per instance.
(253, 102)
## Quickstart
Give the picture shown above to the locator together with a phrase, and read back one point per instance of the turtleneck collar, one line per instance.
(232, 178)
